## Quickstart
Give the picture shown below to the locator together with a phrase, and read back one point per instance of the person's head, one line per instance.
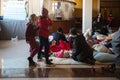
(60, 30)
(33, 19)
(99, 15)
(44, 12)
(73, 31)
(110, 15)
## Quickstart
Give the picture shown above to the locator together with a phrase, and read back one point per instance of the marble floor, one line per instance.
(14, 66)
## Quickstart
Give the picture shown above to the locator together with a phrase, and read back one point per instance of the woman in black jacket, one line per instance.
(81, 51)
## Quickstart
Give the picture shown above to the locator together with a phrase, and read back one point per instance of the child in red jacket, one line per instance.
(30, 34)
(44, 22)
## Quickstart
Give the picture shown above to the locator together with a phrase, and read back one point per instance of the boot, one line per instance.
(49, 62)
(31, 62)
(39, 57)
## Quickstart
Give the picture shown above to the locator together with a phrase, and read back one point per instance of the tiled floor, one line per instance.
(53, 73)
(14, 65)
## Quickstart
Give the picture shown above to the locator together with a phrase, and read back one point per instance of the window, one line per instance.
(14, 9)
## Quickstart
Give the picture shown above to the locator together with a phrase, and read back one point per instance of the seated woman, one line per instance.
(81, 51)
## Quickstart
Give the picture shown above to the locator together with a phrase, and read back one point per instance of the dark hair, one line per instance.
(73, 31)
(59, 29)
(44, 11)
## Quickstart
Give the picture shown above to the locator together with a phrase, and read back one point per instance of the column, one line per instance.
(87, 15)
(35, 6)
(0, 7)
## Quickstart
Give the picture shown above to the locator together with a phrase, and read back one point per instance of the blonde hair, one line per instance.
(31, 18)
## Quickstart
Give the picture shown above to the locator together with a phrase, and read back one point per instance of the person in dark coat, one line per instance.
(81, 51)
(57, 36)
(97, 23)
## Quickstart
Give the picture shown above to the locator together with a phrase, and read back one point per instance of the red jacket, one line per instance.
(43, 24)
(63, 45)
(30, 32)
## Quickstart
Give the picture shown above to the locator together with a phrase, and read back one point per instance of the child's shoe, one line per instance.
(49, 62)
(31, 62)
